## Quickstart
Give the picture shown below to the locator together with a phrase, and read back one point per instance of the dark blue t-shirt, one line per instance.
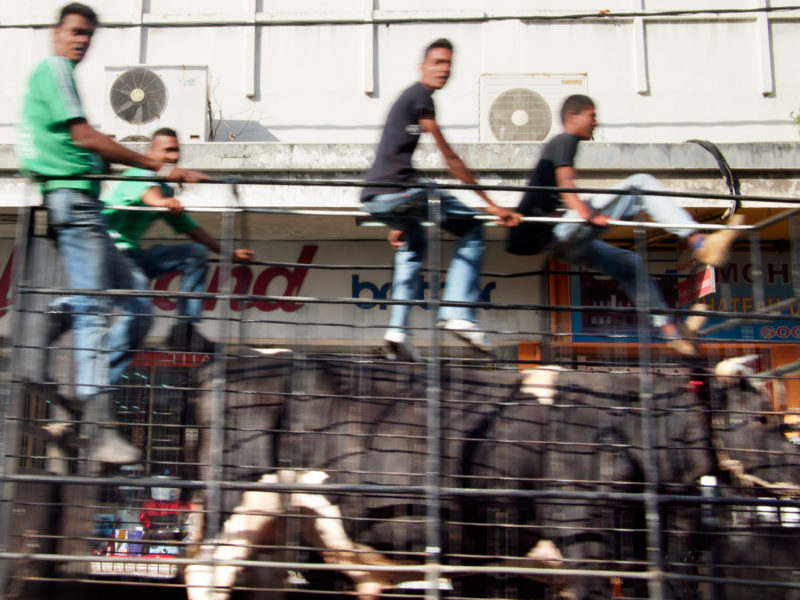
(399, 140)
(558, 152)
(532, 238)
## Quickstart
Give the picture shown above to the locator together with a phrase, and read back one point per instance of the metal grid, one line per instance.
(456, 477)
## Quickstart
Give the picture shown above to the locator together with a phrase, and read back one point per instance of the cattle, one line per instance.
(325, 420)
(755, 460)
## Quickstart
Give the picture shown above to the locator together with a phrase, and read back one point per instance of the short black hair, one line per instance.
(575, 103)
(440, 43)
(76, 8)
(165, 131)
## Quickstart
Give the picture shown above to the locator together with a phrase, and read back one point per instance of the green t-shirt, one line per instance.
(44, 144)
(127, 227)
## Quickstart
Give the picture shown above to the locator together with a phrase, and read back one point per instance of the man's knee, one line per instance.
(197, 252)
(91, 307)
(644, 181)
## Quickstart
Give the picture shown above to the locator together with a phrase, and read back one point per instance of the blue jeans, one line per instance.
(578, 243)
(92, 262)
(403, 211)
(189, 258)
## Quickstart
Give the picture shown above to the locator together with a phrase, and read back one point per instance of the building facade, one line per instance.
(298, 91)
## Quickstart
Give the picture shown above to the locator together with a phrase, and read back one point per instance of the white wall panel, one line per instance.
(310, 83)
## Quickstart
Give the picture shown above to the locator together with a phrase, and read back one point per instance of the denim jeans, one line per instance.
(404, 211)
(578, 243)
(92, 262)
(189, 258)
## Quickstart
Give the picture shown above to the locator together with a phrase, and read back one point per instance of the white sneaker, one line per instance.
(470, 332)
(399, 348)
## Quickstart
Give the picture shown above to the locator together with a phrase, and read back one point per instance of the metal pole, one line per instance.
(656, 584)
(794, 231)
(217, 421)
(433, 550)
(757, 270)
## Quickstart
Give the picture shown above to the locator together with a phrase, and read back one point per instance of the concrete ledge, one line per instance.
(266, 157)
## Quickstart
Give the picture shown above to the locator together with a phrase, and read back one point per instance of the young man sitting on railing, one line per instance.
(127, 227)
(403, 208)
(579, 243)
(56, 140)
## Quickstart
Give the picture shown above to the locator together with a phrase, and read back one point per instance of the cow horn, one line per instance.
(737, 366)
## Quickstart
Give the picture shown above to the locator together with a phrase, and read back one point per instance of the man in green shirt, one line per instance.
(55, 139)
(127, 227)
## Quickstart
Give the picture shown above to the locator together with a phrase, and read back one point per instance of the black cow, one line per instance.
(333, 421)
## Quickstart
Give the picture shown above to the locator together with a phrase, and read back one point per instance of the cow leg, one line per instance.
(254, 519)
(337, 546)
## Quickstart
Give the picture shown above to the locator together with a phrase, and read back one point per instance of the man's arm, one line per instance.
(201, 236)
(458, 169)
(88, 138)
(565, 178)
(155, 197)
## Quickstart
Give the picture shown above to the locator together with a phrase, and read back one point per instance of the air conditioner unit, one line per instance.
(524, 108)
(141, 99)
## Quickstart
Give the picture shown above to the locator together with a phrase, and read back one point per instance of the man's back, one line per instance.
(533, 238)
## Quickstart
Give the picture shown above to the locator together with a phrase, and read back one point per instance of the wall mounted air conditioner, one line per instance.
(141, 99)
(524, 108)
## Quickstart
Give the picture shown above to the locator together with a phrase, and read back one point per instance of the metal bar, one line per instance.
(764, 316)
(757, 271)
(445, 569)
(791, 367)
(268, 18)
(651, 501)
(433, 549)
(442, 186)
(764, 223)
(794, 252)
(394, 490)
(217, 424)
(732, 319)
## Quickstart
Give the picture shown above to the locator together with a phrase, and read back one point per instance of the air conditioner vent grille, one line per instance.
(141, 99)
(138, 96)
(520, 115)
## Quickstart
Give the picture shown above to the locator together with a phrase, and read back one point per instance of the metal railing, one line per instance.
(656, 565)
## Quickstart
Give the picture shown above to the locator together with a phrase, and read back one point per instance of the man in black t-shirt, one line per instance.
(402, 207)
(579, 243)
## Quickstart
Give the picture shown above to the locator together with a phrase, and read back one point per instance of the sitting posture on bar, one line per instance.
(127, 227)
(56, 140)
(403, 208)
(579, 243)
